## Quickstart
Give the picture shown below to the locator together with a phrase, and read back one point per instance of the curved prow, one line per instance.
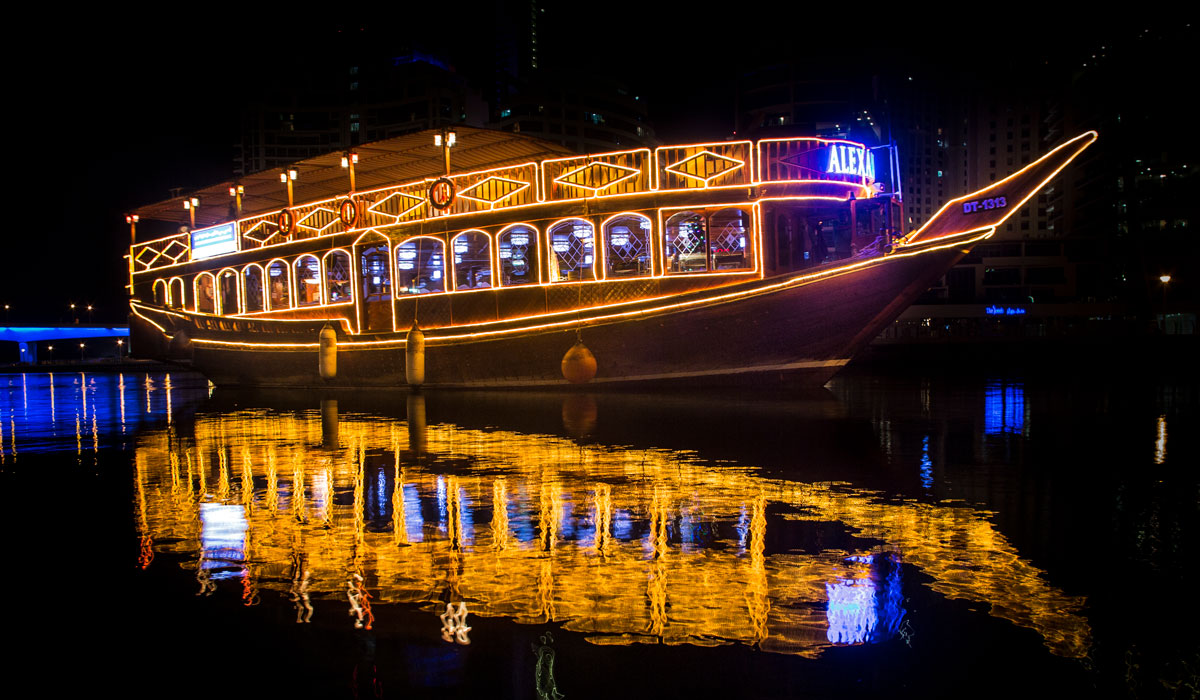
(992, 205)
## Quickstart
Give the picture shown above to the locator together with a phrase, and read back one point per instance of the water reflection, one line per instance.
(1004, 408)
(83, 412)
(621, 545)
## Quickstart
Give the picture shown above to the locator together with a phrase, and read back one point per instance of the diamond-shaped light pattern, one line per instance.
(800, 161)
(318, 219)
(175, 250)
(147, 256)
(261, 232)
(396, 205)
(493, 190)
(596, 176)
(704, 167)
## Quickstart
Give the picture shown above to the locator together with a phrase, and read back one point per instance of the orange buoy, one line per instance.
(579, 364)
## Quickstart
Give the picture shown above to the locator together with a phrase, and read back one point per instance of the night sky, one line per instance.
(118, 109)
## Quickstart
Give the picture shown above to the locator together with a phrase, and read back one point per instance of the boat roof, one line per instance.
(392, 161)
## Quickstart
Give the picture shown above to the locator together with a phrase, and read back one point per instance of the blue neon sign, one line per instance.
(848, 159)
(1005, 311)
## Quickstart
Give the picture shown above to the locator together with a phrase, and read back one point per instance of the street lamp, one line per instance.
(81, 347)
(50, 349)
(89, 310)
(349, 160)
(237, 192)
(132, 220)
(74, 316)
(121, 349)
(446, 139)
(288, 177)
(192, 205)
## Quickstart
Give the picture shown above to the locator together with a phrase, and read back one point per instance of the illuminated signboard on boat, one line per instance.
(849, 159)
(1005, 311)
(217, 240)
(820, 159)
(977, 205)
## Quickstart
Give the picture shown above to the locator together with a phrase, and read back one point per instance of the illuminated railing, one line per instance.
(605, 175)
(705, 165)
(842, 165)
(814, 159)
(161, 252)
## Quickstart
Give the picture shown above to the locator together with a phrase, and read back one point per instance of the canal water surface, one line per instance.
(916, 536)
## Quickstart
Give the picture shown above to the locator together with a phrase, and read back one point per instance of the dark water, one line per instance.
(911, 535)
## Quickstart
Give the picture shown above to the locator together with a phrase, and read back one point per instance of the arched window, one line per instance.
(337, 277)
(308, 280)
(518, 253)
(229, 301)
(205, 291)
(472, 260)
(177, 297)
(729, 240)
(160, 293)
(279, 290)
(572, 251)
(376, 272)
(627, 237)
(420, 266)
(686, 242)
(252, 282)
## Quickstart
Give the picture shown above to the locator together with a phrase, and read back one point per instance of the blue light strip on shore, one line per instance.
(29, 334)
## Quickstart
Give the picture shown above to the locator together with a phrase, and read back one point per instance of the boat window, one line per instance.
(686, 242)
(517, 248)
(729, 240)
(252, 282)
(377, 277)
(628, 251)
(177, 296)
(337, 276)
(227, 287)
(204, 288)
(420, 266)
(160, 292)
(308, 281)
(280, 289)
(572, 251)
(472, 260)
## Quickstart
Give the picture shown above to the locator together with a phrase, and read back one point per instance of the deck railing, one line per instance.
(692, 167)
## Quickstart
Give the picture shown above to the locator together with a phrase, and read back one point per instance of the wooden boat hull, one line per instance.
(798, 329)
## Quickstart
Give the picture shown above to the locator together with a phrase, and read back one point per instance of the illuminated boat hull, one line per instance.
(797, 327)
(801, 328)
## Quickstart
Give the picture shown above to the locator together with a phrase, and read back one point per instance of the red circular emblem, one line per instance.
(348, 212)
(441, 193)
(285, 221)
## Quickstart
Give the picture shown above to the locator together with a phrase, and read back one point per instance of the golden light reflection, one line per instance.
(621, 546)
(1160, 444)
